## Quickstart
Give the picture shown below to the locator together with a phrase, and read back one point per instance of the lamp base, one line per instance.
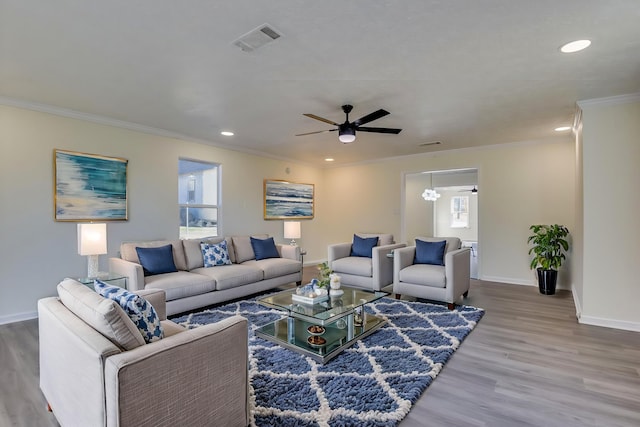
(93, 266)
(293, 243)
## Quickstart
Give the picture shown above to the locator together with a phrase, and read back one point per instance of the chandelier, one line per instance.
(430, 195)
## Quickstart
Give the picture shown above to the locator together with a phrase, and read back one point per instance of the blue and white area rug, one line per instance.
(373, 383)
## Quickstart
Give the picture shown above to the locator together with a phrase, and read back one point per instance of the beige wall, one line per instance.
(418, 212)
(610, 156)
(522, 184)
(37, 252)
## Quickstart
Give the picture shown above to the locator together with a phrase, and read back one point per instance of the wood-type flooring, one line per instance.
(527, 363)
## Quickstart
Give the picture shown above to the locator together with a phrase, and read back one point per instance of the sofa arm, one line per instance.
(457, 269)
(337, 251)
(133, 271)
(382, 265)
(154, 384)
(71, 380)
(157, 298)
(290, 252)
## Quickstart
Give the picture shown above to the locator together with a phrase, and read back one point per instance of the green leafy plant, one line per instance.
(324, 272)
(549, 245)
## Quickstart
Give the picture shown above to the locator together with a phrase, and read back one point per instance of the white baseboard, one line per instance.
(576, 302)
(610, 323)
(514, 281)
(18, 317)
(509, 280)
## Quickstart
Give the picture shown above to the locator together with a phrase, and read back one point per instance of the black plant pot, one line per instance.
(547, 281)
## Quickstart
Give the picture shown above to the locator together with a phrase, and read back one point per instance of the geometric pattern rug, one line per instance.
(373, 383)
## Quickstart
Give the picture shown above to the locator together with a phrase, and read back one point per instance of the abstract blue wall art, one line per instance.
(287, 200)
(89, 187)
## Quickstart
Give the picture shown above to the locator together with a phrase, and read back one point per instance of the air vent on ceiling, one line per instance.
(257, 38)
(426, 144)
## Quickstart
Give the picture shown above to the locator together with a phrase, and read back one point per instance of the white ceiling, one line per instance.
(466, 73)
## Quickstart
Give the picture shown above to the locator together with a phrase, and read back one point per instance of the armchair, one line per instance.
(189, 377)
(444, 283)
(372, 273)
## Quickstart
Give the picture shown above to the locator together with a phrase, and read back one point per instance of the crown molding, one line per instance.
(611, 100)
(122, 124)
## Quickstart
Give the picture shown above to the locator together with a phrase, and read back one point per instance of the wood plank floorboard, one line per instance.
(527, 363)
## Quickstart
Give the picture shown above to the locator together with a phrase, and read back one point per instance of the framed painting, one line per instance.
(89, 187)
(288, 200)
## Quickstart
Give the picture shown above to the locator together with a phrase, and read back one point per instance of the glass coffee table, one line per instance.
(322, 330)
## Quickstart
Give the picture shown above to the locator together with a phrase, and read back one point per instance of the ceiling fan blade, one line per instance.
(322, 119)
(318, 131)
(379, 130)
(371, 117)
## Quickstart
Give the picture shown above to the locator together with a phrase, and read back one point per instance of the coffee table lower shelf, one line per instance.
(337, 339)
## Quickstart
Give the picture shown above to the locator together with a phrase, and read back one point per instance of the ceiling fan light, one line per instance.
(346, 134)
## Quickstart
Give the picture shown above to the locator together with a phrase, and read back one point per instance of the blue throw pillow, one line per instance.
(429, 252)
(157, 260)
(215, 254)
(264, 248)
(137, 308)
(363, 246)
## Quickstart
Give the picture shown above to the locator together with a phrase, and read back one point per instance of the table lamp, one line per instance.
(292, 231)
(92, 242)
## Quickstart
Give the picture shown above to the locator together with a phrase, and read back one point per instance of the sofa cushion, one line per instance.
(363, 246)
(193, 252)
(137, 308)
(264, 248)
(156, 260)
(231, 276)
(358, 266)
(128, 251)
(275, 267)
(243, 249)
(103, 315)
(453, 243)
(181, 284)
(383, 239)
(429, 252)
(424, 274)
(215, 254)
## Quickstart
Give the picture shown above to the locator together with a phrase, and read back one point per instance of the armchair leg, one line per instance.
(466, 294)
(451, 306)
(49, 407)
(397, 296)
(299, 283)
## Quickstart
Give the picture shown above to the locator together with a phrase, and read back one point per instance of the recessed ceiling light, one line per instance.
(562, 128)
(226, 133)
(575, 46)
(328, 159)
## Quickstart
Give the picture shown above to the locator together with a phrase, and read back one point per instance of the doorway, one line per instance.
(451, 212)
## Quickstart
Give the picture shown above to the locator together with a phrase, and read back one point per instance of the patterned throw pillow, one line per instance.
(215, 254)
(139, 310)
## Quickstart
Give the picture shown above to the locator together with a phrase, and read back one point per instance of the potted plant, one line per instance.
(549, 245)
(325, 275)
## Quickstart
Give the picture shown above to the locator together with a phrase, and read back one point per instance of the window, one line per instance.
(198, 198)
(460, 212)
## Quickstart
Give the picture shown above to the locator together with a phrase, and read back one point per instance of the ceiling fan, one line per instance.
(347, 130)
(474, 190)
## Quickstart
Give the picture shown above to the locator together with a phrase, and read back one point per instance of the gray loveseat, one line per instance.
(194, 286)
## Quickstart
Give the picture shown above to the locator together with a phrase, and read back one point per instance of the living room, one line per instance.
(572, 178)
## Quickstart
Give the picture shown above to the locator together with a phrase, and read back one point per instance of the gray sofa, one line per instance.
(194, 286)
(96, 370)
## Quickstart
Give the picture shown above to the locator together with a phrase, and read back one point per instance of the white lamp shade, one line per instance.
(292, 230)
(92, 239)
